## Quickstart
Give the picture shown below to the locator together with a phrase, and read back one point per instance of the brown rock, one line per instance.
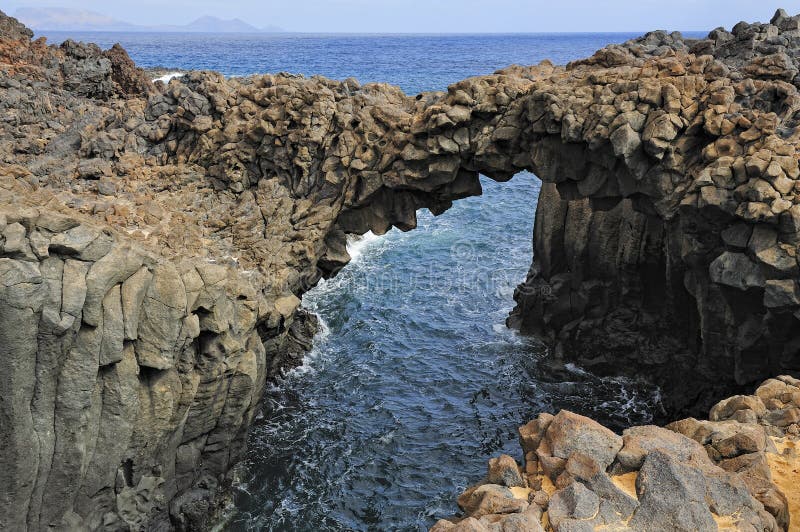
(531, 434)
(569, 433)
(504, 471)
(490, 499)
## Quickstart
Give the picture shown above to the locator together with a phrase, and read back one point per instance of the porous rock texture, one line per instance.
(667, 229)
(156, 240)
(737, 471)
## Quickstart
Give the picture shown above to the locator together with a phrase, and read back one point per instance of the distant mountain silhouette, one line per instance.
(209, 23)
(66, 19)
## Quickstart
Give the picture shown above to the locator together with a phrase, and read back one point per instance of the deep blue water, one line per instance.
(414, 62)
(416, 381)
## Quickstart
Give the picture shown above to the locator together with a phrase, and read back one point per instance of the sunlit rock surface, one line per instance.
(737, 471)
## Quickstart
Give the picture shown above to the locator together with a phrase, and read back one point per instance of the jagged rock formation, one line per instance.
(678, 252)
(156, 240)
(736, 471)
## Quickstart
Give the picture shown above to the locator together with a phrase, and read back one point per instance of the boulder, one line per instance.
(672, 496)
(489, 499)
(504, 471)
(573, 502)
(781, 293)
(736, 270)
(531, 434)
(570, 433)
(638, 442)
(586, 471)
(728, 408)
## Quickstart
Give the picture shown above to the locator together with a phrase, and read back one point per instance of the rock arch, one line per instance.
(666, 230)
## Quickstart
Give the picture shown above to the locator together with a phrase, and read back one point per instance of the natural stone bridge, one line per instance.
(156, 241)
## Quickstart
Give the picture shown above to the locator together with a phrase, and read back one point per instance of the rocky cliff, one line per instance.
(156, 240)
(666, 233)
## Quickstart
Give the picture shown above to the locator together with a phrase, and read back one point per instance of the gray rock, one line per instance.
(504, 471)
(74, 287)
(117, 266)
(113, 328)
(73, 241)
(94, 169)
(619, 504)
(570, 433)
(736, 270)
(160, 321)
(781, 293)
(625, 141)
(22, 293)
(672, 496)
(106, 187)
(15, 242)
(134, 289)
(640, 441)
(573, 502)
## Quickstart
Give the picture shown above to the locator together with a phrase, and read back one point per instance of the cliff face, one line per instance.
(127, 379)
(666, 240)
(156, 240)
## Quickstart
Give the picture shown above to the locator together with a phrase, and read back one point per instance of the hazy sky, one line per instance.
(440, 15)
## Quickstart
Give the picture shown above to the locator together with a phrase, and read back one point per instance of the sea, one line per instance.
(414, 381)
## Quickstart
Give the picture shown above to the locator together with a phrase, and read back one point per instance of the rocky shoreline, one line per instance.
(736, 471)
(157, 240)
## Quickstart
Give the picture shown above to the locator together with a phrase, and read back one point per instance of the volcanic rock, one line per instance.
(140, 323)
(691, 475)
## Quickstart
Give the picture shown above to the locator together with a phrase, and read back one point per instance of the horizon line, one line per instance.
(267, 32)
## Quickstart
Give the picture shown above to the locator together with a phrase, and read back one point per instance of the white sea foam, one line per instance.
(310, 358)
(499, 328)
(631, 399)
(387, 438)
(323, 333)
(167, 77)
(356, 245)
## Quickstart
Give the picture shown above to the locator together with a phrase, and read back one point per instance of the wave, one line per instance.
(357, 245)
(167, 77)
(311, 357)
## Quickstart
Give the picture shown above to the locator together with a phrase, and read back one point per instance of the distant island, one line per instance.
(66, 19)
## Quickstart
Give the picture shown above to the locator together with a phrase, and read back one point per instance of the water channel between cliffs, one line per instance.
(415, 377)
(416, 380)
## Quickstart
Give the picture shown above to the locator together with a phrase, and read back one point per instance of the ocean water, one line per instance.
(415, 381)
(415, 63)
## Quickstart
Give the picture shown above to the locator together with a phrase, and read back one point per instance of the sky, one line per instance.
(439, 16)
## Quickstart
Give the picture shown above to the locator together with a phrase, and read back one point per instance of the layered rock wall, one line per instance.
(127, 379)
(157, 239)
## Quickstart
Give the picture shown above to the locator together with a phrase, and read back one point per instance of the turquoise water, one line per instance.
(415, 381)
